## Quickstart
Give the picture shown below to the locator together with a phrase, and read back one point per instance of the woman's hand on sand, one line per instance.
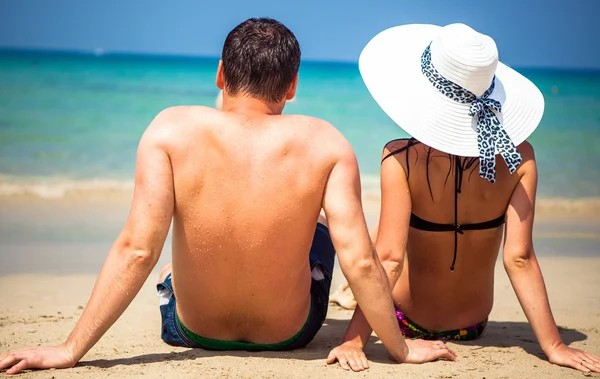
(41, 357)
(421, 351)
(575, 358)
(350, 356)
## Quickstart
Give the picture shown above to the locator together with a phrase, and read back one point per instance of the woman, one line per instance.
(450, 192)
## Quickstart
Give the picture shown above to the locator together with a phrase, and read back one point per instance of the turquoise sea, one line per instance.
(70, 119)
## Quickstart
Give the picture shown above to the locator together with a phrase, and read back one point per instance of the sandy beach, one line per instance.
(96, 96)
(52, 249)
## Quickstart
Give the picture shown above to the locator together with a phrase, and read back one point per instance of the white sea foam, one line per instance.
(50, 188)
(57, 188)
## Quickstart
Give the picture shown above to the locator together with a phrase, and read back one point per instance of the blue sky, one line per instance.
(550, 33)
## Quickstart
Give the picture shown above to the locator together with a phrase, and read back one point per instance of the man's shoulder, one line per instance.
(307, 121)
(320, 129)
(183, 115)
(174, 125)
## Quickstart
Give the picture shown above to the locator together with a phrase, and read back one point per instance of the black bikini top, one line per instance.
(421, 224)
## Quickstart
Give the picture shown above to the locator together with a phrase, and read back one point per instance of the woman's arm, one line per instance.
(525, 275)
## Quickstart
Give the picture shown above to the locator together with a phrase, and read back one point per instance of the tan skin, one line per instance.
(234, 275)
(417, 262)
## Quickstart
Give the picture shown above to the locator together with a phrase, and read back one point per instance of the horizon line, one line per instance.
(101, 52)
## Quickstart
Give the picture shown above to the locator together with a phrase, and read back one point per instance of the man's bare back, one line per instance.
(248, 192)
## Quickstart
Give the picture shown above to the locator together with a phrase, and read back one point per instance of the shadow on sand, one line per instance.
(498, 334)
(328, 337)
(505, 334)
(520, 334)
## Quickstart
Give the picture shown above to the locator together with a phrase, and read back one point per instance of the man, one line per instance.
(244, 187)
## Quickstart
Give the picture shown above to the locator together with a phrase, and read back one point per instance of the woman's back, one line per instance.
(449, 203)
(442, 215)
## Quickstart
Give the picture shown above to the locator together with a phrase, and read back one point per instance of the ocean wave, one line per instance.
(60, 188)
(564, 206)
(545, 206)
(57, 188)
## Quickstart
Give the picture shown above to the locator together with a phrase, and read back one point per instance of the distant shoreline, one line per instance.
(100, 53)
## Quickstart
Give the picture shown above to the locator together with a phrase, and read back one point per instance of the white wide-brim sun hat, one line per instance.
(390, 66)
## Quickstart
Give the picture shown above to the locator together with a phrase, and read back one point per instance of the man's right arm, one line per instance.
(357, 256)
(130, 261)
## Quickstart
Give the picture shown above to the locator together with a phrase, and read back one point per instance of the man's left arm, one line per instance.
(129, 262)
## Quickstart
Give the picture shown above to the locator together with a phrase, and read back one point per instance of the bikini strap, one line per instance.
(458, 171)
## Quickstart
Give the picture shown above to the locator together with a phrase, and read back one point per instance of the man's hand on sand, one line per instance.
(421, 351)
(352, 357)
(42, 357)
(575, 358)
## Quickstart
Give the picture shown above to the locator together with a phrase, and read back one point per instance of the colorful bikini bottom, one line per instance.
(414, 331)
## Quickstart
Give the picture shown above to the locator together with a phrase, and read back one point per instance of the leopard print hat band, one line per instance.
(491, 135)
